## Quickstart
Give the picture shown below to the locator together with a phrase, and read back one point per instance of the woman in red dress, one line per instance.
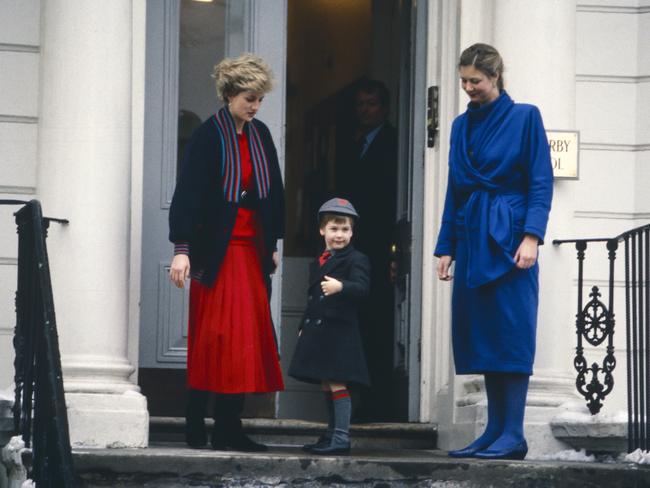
(226, 216)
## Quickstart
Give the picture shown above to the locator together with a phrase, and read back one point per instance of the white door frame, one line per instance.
(437, 376)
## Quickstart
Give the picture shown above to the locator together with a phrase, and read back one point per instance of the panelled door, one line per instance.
(185, 38)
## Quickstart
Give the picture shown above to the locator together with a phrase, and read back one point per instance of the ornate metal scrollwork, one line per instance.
(595, 324)
(595, 316)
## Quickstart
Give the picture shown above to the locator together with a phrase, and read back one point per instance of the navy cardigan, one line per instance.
(199, 213)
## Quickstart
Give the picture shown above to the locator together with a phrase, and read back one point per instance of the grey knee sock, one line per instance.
(342, 412)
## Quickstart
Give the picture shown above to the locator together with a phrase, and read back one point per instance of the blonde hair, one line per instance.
(245, 73)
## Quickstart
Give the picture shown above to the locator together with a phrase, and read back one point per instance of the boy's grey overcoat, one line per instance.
(330, 345)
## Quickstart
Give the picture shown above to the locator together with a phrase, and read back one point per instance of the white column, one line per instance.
(538, 42)
(85, 176)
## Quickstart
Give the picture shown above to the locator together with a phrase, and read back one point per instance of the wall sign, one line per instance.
(565, 149)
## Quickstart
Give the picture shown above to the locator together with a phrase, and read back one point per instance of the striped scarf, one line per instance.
(230, 157)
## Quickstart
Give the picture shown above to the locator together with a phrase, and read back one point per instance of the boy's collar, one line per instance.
(334, 252)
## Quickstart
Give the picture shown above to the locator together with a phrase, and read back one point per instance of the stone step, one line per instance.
(164, 466)
(299, 432)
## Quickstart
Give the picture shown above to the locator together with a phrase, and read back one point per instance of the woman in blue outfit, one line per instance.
(496, 209)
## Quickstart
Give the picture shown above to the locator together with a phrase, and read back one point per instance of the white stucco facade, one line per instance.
(71, 134)
(584, 65)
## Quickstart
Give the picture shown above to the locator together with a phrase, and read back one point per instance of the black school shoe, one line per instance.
(339, 444)
(322, 441)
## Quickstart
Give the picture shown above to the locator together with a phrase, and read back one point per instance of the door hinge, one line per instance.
(432, 115)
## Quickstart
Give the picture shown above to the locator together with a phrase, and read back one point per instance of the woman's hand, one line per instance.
(444, 263)
(179, 270)
(526, 254)
(330, 285)
(276, 261)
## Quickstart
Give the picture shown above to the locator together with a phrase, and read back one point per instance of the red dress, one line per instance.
(231, 346)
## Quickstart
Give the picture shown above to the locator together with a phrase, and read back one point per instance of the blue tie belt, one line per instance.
(491, 224)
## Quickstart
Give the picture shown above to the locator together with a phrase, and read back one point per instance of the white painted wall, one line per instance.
(19, 80)
(612, 96)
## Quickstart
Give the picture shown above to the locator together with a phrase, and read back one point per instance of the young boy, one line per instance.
(329, 349)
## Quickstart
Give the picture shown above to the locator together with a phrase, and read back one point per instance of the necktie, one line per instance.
(322, 259)
(362, 146)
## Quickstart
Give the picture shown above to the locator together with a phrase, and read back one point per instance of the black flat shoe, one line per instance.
(515, 453)
(241, 442)
(196, 438)
(196, 444)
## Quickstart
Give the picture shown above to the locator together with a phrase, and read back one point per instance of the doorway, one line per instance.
(332, 45)
(334, 48)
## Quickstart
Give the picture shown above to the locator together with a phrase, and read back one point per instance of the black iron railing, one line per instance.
(637, 309)
(38, 378)
(595, 323)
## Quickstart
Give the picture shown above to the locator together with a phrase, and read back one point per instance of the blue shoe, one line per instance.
(517, 452)
(465, 452)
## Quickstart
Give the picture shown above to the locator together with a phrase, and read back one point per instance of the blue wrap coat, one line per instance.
(500, 187)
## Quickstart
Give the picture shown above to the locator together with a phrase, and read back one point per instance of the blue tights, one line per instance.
(506, 394)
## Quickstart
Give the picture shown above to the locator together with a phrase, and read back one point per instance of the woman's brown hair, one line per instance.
(484, 58)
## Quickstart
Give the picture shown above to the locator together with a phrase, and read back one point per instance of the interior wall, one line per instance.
(329, 46)
(385, 49)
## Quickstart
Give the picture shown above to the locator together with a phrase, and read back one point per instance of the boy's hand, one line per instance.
(330, 286)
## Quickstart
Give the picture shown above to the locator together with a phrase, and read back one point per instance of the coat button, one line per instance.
(306, 321)
(318, 322)
(321, 297)
(309, 297)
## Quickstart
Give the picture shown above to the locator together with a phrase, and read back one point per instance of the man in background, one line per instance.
(367, 175)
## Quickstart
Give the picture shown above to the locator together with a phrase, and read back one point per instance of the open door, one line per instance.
(185, 38)
(331, 47)
(410, 198)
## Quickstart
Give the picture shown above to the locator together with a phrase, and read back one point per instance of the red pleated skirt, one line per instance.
(231, 345)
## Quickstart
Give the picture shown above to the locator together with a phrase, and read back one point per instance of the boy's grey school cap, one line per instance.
(338, 206)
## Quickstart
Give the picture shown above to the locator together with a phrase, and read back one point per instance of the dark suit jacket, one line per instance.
(329, 347)
(370, 183)
(199, 213)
